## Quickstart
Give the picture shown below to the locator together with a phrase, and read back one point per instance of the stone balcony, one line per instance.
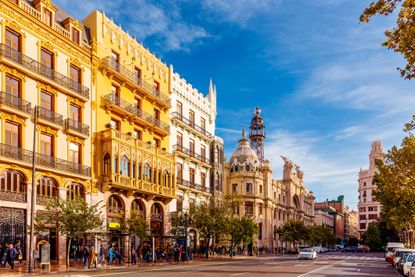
(190, 126)
(15, 105)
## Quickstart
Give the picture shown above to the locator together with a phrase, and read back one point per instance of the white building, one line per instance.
(191, 138)
(369, 208)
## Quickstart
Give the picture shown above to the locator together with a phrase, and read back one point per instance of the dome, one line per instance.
(244, 153)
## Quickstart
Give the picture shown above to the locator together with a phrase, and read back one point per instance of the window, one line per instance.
(47, 187)
(13, 86)
(203, 179)
(192, 147)
(156, 114)
(137, 208)
(46, 59)
(179, 174)
(137, 74)
(275, 213)
(260, 188)
(115, 56)
(364, 184)
(46, 144)
(13, 40)
(75, 74)
(373, 209)
(203, 123)
(75, 113)
(260, 208)
(75, 152)
(249, 187)
(137, 103)
(47, 17)
(156, 142)
(260, 231)
(373, 216)
(115, 204)
(138, 134)
(192, 176)
(179, 203)
(147, 172)
(179, 108)
(12, 181)
(192, 118)
(234, 187)
(249, 208)
(13, 134)
(115, 124)
(75, 35)
(203, 152)
(75, 191)
(107, 163)
(156, 85)
(362, 226)
(362, 209)
(179, 137)
(46, 100)
(362, 217)
(125, 166)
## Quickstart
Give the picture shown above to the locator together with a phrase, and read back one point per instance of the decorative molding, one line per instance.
(13, 117)
(71, 138)
(47, 129)
(12, 71)
(75, 101)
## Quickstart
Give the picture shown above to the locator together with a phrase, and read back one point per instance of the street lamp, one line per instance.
(185, 220)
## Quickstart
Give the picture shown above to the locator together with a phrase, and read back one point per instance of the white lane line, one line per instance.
(238, 274)
(315, 270)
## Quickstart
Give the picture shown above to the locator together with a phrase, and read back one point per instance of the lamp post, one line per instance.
(185, 220)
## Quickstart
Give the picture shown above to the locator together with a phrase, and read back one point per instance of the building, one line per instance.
(324, 218)
(45, 72)
(337, 210)
(351, 224)
(369, 208)
(132, 167)
(271, 202)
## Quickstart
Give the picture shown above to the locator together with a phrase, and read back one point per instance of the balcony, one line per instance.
(13, 196)
(46, 72)
(124, 73)
(124, 108)
(15, 105)
(191, 153)
(191, 185)
(186, 123)
(49, 117)
(45, 161)
(76, 128)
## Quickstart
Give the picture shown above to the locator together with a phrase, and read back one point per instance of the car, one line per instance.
(390, 248)
(402, 261)
(398, 254)
(409, 259)
(307, 253)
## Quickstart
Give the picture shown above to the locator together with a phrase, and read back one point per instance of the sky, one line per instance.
(326, 86)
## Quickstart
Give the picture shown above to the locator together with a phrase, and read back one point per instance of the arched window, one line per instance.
(13, 184)
(107, 163)
(139, 171)
(125, 166)
(115, 205)
(147, 172)
(137, 208)
(296, 202)
(248, 167)
(47, 187)
(166, 178)
(75, 190)
(115, 165)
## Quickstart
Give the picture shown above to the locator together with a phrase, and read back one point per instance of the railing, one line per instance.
(26, 156)
(43, 199)
(43, 70)
(61, 30)
(190, 153)
(190, 123)
(77, 126)
(13, 196)
(161, 125)
(15, 102)
(113, 64)
(30, 10)
(49, 115)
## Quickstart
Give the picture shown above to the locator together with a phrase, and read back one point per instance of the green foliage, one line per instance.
(209, 220)
(372, 238)
(401, 38)
(293, 231)
(136, 225)
(243, 229)
(321, 235)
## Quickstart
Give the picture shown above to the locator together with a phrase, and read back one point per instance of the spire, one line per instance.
(210, 86)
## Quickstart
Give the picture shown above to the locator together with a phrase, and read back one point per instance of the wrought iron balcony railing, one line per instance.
(190, 123)
(49, 115)
(17, 153)
(191, 153)
(114, 65)
(15, 102)
(35, 66)
(13, 196)
(77, 126)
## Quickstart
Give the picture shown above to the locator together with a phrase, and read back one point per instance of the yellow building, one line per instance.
(132, 167)
(45, 69)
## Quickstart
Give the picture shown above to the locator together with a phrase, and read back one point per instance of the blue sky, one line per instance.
(324, 83)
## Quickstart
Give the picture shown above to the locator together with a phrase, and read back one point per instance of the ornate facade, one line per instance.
(45, 72)
(271, 202)
(369, 208)
(132, 166)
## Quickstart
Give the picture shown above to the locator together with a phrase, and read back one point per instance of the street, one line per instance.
(330, 264)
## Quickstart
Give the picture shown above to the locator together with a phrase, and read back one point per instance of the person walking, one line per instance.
(133, 255)
(18, 251)
(111, 254)
(85, 256)
(92, 258)
(3, 255)
(101, 255)
(11, 255)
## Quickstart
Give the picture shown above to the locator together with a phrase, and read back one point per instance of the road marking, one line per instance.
(238, 274)
(315, 270)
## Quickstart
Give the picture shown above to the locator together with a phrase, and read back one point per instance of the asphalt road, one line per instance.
(331, 264)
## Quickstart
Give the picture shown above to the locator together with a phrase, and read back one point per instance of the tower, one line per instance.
(257, 134)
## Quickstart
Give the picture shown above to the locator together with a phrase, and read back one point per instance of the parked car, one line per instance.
(307, 253)
(390, 248)
(409, 259)
(398, 254)
(402, 262)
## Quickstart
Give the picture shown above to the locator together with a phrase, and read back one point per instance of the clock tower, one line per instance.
(257, 134)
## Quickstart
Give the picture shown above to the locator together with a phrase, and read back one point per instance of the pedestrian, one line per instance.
(133, 255)
(11, 255)
(92, 258)
(18, 251)
(111, 254)
(85, 256)
(101, 255)
(3, 255)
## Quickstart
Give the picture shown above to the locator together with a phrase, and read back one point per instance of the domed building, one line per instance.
(248, 176)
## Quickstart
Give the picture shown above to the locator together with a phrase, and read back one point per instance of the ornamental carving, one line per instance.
(12, 71)
(75, 101)
(48, 88)
(75, 62)
(77, 140)
(47, 45)
(13, 117)
(13, 25)
(47, 129)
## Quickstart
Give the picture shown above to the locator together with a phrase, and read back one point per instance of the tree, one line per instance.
(136, 225)
(293, 231)
(395, 182)
(401, 38)
(71, 218)
(242, 230)
(372, 238)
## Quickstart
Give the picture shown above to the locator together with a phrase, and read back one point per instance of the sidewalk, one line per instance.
(22, 269)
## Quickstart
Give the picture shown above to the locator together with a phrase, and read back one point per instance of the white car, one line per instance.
(408, 264)
(307, 253)
(397, 255)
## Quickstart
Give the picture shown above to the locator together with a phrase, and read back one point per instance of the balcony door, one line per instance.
(13, 40)
(13, 134)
